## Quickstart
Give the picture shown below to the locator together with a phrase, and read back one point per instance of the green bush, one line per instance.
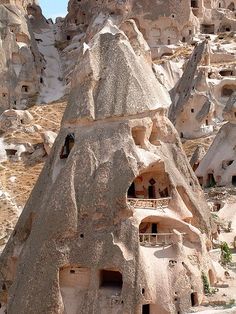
(206, 284)
(226, 255)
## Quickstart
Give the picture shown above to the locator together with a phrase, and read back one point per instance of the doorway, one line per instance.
(234, 180)
(131, 191)
(154, 228)
(211, 180)
(194, 299)
(146, 309)
(151, 192)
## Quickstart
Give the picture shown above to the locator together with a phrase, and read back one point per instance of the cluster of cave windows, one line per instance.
(68, 145)
(147, 187)
(211, 181)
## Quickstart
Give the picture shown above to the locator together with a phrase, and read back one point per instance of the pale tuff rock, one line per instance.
(193, 107)
(218, 166)
(48, 140)
(13, 119)
(115, 144)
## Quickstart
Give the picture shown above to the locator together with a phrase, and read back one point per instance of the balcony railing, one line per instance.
(159, 203)
(156, 239)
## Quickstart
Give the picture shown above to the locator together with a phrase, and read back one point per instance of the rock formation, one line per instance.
(113, 223)
(218, 167)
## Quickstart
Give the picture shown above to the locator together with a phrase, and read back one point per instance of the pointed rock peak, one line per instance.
(185, 86)
(113, 79)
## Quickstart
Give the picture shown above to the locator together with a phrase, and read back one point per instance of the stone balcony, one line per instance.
(159, 203)
(156, 239)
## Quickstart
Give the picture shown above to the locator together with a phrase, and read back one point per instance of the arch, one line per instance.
(151, 183)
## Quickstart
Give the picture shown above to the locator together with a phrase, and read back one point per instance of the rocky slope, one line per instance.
(123, 67)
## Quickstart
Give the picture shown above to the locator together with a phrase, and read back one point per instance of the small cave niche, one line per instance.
(208, 28)
(217, 206)
(74, 283)
(111, 279)
(10, 152)
(228, 90)
(194, 4)
(226, 73)
(226, 163)
(4, 95)
(68, 145)
(138, 134)
(210, 180)
(234, 180)
(231, 6)
(25, 89)
(194, 299)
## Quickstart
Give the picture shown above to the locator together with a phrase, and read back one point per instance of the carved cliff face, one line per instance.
(116, 173)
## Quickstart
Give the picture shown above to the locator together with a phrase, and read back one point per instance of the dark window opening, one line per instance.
(190, 32)
(111, 279)
(25, 89)
(227, 29)
(131, 191)
(146, 309)
(154, 228)
(11, 152)
(151, 192)
(41, 80)
(226, 73)
(192, 110)
(194, 299)
(227, 91)
(231, 6)
(181, 134)
(68, 37)
(207, 123)
(210, 180)
(183, 39)
(219, 5)
(67, 147)
(194, 3)
(168, 42)
(208, 28)
(234, 180)
(72, 271)
(226, 163)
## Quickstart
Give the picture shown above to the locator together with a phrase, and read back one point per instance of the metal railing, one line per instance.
(159, 203)
(156, 239)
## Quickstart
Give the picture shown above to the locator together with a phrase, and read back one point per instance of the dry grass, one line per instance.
(190, 145)
(25, 173)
